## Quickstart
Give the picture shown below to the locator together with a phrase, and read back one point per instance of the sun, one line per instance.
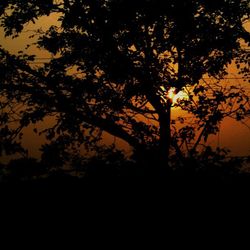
(172, 95)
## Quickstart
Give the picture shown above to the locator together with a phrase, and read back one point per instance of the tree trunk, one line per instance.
(165, 136)
(155, 160)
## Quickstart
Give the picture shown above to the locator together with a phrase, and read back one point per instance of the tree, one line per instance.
(125, 57)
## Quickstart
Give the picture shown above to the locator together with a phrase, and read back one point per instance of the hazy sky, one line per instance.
(233, 135)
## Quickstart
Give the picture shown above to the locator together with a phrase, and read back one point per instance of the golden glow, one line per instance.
(180, 95)
(171, 94)
(237, 139)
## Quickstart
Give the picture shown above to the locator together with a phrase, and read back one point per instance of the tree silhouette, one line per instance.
(114, 64)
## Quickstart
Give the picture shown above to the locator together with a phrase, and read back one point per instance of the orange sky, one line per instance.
(233, 134)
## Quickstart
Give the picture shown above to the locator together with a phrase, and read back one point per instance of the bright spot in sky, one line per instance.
(170, 94)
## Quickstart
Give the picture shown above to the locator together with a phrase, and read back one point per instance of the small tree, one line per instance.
(206, 105)
(125, 57)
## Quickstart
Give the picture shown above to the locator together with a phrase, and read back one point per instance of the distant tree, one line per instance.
(114, 63)
(23, 169)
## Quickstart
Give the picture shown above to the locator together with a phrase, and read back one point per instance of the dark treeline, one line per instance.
(30, 170)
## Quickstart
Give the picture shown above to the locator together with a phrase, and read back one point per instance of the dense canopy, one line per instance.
(113, 64)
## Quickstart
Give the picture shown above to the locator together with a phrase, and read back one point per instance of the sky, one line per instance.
(233, 135)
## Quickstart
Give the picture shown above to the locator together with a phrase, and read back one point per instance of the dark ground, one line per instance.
(30, 172)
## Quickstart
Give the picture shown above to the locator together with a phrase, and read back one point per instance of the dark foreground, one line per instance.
(111, 189)
(32, 173)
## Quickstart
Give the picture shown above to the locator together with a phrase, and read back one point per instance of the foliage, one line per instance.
(114, 62)
(23, 169)
(206, 105)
